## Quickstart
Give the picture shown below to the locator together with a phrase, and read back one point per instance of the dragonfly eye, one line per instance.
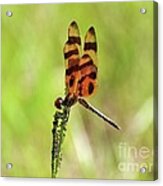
(58, 103)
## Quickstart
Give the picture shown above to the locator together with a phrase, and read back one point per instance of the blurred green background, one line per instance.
(33, 77)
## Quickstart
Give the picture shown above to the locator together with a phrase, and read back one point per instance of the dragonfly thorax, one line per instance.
(70, 100)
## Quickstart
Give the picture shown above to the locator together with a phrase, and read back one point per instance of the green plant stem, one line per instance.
(59, 130)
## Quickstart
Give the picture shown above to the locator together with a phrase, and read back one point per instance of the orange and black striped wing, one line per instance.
(88, 65)
(72, 50)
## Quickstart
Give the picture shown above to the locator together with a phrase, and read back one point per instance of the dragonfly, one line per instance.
(81, 71)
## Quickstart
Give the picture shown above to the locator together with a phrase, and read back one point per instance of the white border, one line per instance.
(60, 1)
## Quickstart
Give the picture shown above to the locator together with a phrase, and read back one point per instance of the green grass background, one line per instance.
(33, 77)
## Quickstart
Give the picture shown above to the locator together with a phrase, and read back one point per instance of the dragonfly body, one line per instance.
(81, 70)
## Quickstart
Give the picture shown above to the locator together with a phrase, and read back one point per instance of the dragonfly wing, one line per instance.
(72, 50)
(88, 65)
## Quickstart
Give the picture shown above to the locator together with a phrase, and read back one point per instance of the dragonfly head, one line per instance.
(58, 103)
(68, 101)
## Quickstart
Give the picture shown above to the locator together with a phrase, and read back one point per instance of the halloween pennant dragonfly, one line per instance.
(81, 71)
